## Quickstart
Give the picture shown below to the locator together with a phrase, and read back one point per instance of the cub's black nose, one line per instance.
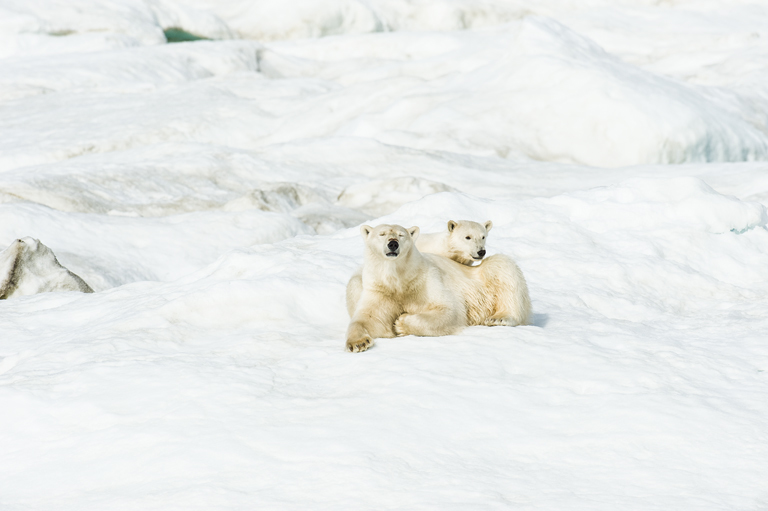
(481, 253)
(392, 245)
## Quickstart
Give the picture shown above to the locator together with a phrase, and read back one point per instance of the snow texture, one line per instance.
(210, 192)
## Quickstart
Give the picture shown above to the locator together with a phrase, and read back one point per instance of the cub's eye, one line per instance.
(469, 237)
(483, 237)
(382, 234)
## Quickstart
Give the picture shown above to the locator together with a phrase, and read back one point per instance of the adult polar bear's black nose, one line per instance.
(481, 253)
(392, 245)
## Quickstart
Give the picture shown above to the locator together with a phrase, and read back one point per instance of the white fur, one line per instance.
(28, 267)
(411, 293)
(462, 241)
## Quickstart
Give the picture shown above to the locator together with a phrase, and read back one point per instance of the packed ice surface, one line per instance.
(211, 192)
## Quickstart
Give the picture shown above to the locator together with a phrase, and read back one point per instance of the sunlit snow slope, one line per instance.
(210, 192)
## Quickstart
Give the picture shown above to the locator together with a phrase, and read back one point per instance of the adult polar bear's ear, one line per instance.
(365, 230)
(488, 225)
(414, 232)
(451, 225)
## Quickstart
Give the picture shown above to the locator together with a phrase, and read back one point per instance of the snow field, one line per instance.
(253, 343)
(211, 193)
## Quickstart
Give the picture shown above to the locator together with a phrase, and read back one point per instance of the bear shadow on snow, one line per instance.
(540, 319)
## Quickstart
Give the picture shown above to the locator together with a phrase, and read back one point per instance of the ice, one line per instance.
(210, 192)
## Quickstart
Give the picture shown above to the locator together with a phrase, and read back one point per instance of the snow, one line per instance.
(210, 192)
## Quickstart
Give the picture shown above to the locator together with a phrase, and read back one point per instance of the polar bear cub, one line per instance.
(400, 291)
(464, 241)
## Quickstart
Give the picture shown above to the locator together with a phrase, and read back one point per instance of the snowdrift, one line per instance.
(532, 88)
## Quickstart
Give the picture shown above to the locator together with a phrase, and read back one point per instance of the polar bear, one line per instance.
(28, 267)
(400, 291)
(464, 241)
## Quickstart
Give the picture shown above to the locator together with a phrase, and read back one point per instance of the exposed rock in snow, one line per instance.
(28, 267)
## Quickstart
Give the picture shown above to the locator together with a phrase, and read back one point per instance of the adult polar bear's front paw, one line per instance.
(358, 345)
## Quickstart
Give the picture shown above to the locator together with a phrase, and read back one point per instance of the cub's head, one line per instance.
(466, 240)
(389, 241)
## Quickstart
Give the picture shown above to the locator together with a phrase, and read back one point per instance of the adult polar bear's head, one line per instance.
(389, 241)
(466, 240)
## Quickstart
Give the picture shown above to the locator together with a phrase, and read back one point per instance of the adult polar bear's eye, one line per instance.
(469, 237)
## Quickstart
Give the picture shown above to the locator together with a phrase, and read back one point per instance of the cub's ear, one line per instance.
(365, 230)
(488, 225)
(451, 225)
(414, 232)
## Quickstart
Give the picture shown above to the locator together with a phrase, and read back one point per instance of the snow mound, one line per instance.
(644, 204)
(131, 249)
(534, 88)
(254, 289)
(28, 267)
(303, 202)
(39, 26)
(131, 70)
(384, 196)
